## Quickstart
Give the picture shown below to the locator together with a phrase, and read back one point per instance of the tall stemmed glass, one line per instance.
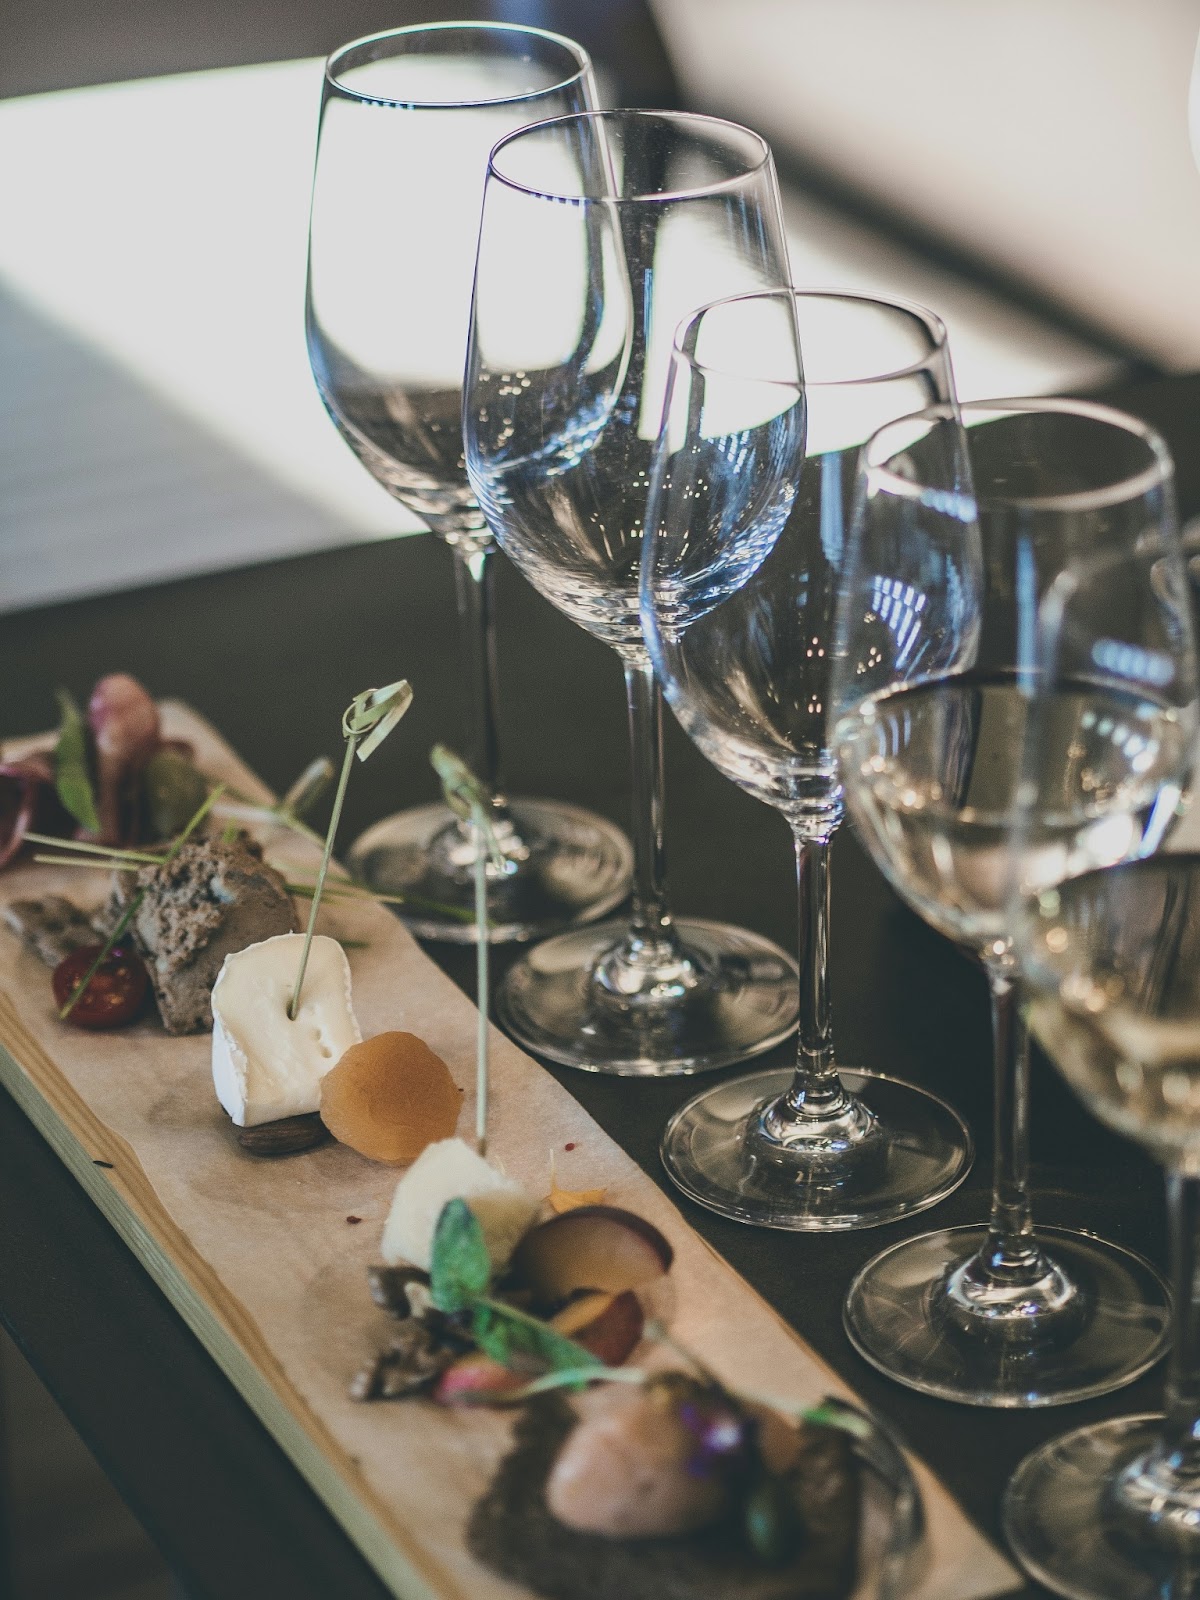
(1110, 960)
(600, 233)
(407, 120)
(961, 532)
(746, 533)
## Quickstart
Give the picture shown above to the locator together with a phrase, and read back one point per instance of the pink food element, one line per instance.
(630, 1469)
(593, 1247)
(608, 1326)
(474, 1378)
(125, 729)
(29, 802)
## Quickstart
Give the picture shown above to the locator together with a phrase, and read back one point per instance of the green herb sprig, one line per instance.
(366, 723)
(460, 1280)
(471, 803)
(72, 776)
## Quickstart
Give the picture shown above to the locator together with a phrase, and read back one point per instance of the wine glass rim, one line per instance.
(631, 114)
(337, 62)
(932, 322)
(1158, 473)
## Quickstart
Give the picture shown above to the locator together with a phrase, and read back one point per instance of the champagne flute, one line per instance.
(407, 120)
(1110, 960)
(745, 538)
(600, 232)
(961, 531)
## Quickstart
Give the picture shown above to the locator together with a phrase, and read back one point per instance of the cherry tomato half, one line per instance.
(115, 994)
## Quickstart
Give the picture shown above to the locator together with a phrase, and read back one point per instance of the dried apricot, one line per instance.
(389, 1097)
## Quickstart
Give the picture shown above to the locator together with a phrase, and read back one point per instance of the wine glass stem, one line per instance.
(474, 577)
(816, 1089)
(1011, 1250)
(1182, 1399)
(651, 921)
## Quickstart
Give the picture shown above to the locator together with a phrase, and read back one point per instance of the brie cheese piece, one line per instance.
(264, 1065)
(450, 1170)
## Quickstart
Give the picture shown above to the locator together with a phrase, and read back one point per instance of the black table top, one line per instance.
(271, 655)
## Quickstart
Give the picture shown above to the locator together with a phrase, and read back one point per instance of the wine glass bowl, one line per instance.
(770, 397)
(407, 120)
(973, 526)
(562, 434)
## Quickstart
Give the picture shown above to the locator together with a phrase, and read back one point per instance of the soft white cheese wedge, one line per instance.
(264, 1065)
(450, 1170)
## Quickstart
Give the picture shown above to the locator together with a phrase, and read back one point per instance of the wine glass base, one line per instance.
(1059, 1520)
(567, 866)
(920, 1153)
(746, 1002)
(893, 1321)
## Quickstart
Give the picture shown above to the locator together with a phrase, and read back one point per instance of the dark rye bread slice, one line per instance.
(213, 898)
(512, 1532)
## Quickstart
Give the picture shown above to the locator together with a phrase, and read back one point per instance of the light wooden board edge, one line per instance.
(126, 1199)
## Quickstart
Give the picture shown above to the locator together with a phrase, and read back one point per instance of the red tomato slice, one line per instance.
(114, 995)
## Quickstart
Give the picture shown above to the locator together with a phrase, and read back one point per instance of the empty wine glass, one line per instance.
(599, 233)
(745, 537)
(407, 120)
(1110, 961)
(962, 530)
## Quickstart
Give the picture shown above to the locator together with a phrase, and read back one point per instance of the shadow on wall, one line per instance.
(58, 44)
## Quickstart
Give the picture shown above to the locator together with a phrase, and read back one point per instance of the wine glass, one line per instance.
(407, 120)
(961, 531)
(1110, 961)
(745, 537)
(600, 232)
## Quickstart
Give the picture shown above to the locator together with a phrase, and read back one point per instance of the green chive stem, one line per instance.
(351, 745)
(481, 984)
(142, 858)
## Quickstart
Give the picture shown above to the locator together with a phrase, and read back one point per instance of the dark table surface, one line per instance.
(271, 655)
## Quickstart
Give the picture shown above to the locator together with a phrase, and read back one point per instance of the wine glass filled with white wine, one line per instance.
(965, 523)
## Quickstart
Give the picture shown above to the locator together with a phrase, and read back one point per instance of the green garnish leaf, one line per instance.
(72, 777)
(520, 1341)
(460, 1272)
(372, 715)
(460, 1269)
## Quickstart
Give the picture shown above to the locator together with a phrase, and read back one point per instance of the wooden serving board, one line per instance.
(266, 1259)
